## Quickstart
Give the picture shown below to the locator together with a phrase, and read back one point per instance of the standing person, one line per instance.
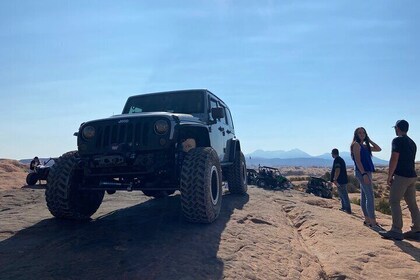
(361, 152)
(339, 178)
(402, 179)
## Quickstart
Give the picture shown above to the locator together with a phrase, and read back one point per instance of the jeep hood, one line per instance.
(174, 116)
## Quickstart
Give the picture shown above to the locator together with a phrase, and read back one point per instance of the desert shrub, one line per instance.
(383, 206)
(298, 178)
(418, 186)
(377, 194)
(353, 180)
(353, 184)
(326, 176)
(294, 173)
(352, 188)
(355, 200)
(299, 187)
(382, 170)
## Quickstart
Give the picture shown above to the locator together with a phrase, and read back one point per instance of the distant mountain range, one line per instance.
(298, 157)
(42, 160)
(293, 157)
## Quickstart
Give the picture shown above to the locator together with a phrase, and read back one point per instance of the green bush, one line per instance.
(353, 185)
(382, 170)
(298, 178)
(353, 180)
(382, 206)
(326, 176)
(355, 200)
(352, 188)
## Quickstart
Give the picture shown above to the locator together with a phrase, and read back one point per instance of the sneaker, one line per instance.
(412, 235)
(376, 227)
(391, 235)
(345, 211)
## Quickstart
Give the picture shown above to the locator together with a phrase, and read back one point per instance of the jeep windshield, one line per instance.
(175, 102)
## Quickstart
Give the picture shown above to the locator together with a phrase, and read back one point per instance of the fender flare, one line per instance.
(233, 148)
(199, 132)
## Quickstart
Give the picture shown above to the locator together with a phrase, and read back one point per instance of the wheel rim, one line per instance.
(214, 185)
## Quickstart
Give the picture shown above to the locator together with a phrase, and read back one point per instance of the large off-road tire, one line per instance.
(236, 177)
(201, 185)
(261, 183)
(64, 199)
(31, 179)
(157, 194)
(327, 194)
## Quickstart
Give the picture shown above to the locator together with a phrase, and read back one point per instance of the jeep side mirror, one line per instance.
(217, 113)
(76, 133)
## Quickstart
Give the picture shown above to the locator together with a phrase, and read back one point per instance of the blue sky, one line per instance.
(296, 74)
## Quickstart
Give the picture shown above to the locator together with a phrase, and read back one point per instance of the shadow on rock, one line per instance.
(409, 249)
(35, 187)
(147, 241)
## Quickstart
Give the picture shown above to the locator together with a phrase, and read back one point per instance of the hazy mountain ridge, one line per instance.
(288, 158)
(280, 154)
(294, 157)
(42, 160)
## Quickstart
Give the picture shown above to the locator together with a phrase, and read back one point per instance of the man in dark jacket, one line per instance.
(402, 179)
(339, 178)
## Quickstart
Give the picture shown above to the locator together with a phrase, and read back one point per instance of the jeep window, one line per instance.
(216, 104)
(213, 104)
(224, 120)
(180, 102)
(229, 117)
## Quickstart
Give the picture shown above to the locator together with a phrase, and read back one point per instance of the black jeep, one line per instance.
(162, 142)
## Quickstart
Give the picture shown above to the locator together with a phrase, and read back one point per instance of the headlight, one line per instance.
(88, 132)
(161, 126)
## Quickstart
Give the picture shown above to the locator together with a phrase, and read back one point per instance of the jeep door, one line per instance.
(221, 132)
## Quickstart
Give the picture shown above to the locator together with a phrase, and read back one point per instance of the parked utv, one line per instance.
(270, 177)
(319, 187)
(162, 142)
(40, 172)
(252, 176)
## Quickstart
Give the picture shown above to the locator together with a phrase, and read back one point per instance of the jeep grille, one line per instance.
(136, 134)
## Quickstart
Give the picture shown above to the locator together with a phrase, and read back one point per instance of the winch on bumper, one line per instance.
(144, 171)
